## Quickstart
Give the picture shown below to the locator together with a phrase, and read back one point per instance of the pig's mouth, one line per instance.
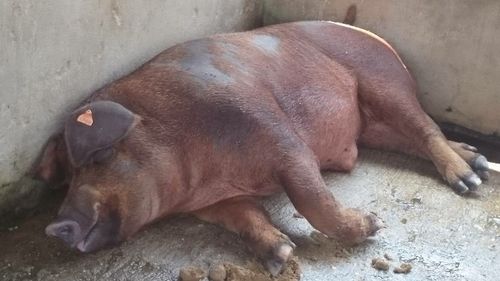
(100, 235)
(83, 245)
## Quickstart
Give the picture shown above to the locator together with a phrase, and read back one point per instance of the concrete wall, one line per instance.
(452, 48)
(54, 53)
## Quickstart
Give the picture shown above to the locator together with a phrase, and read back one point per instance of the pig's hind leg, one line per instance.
(395, 121)
(246, 217)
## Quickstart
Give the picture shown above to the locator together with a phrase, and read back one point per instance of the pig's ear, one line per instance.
(52, 167)
(96, 127)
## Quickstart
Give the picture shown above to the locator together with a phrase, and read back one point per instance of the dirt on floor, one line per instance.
(441, 235)
(254, 271)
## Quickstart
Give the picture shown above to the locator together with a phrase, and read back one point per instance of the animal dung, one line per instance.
(380, 264)
(192, 273)
(254, 271)
(251, 271)
(217, 273)
(383, 265)
(404, 268)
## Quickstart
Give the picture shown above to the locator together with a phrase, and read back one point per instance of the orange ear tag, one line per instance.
(86, 118)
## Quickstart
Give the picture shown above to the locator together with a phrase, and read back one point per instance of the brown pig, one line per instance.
(208, 126)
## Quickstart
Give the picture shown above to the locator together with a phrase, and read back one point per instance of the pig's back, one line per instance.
(226, 85)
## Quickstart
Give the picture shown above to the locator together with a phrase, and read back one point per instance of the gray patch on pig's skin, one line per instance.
(267, 43)
(199, 64)
(230, 55)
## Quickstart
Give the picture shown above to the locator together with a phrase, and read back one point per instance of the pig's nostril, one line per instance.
(65, 230)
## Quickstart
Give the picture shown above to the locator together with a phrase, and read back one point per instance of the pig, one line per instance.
(209, 126)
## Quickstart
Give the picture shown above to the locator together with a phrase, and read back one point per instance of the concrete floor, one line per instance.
(444, 236)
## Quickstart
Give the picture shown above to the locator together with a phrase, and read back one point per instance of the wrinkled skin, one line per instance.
(219, 121)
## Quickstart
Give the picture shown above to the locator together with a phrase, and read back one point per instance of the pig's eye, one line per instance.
(102, 155)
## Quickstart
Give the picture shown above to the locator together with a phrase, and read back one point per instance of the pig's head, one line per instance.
(103, 154)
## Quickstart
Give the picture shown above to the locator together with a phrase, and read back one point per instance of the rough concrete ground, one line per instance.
(442, 235)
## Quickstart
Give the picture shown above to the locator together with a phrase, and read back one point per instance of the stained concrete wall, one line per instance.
(450, 46)
(54, 53)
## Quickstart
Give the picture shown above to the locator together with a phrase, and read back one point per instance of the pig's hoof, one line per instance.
(480, 166)
(357, 227)
(276, 261)
(477, 162)
(375, 224)
(467, 183)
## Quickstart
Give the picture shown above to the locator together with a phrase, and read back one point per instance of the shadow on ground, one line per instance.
(444, 236)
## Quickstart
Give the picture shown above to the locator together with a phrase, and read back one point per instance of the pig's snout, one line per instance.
(67, 230)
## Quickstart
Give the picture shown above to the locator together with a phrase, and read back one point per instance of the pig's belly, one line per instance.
(335, 144)
(332, 130)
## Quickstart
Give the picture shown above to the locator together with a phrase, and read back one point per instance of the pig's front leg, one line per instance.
(244, 216)
(301, 178)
